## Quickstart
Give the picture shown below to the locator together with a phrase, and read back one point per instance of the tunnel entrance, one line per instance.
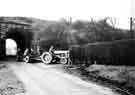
(19, 37)
(16, 42)
(14, 36)
(11, 47)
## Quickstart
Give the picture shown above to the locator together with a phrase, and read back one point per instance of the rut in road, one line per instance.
(40, 79)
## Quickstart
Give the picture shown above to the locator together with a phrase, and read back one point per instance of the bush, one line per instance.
(116, 52)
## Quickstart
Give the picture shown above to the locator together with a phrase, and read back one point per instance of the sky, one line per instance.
(77, 9)
(11, 47)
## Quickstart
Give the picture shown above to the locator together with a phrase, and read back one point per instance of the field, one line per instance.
(119, 78)
(9, 84)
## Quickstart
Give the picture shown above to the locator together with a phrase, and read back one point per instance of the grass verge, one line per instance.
(119, 78)
(9, 83)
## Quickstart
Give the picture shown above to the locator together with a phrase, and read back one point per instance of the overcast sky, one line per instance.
(77, 9)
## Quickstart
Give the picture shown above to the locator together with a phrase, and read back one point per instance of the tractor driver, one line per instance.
(51, 50)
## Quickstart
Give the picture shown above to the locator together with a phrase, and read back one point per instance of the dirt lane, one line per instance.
(41, 79)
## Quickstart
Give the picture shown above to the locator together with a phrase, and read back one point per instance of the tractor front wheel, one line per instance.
(63, 61)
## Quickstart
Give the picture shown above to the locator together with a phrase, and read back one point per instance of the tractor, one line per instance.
(58, 56)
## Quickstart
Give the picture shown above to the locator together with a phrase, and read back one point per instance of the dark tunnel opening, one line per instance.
(22, 37)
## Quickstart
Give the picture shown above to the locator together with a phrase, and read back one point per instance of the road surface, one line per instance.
(40, 79)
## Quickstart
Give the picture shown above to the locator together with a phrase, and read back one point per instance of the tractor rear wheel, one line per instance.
(46, 58)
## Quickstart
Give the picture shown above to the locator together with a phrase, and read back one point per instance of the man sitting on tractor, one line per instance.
(51, 51)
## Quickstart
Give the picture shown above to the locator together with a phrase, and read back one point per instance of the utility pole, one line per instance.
(131, 27)
(70, 21)
(68, 30)
(0, 30)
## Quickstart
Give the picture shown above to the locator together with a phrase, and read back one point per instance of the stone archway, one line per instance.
(19, 32)
(22, 38)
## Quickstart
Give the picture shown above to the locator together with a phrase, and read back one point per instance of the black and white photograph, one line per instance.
(67, 47)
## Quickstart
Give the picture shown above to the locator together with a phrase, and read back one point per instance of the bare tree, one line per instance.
(112, 21)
